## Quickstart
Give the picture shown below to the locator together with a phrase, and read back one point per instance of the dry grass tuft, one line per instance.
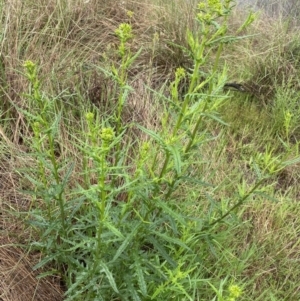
(69, 41)
(273, 232)
(266, 60)
(17, 279)
(19, 282)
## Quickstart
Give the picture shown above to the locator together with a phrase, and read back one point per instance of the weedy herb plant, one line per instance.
(118, 234)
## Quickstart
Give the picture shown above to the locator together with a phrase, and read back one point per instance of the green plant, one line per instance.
(285, 115)
(232, 293)
(118, 234)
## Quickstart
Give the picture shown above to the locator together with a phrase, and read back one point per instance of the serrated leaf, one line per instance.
(171, 212)
(44, 261)
(109, 276)
(133, 293)
(78, 287)
(227, 39)
(133, 58)
(113, 229)
(161, 250)
(291, 162)
(176, 157)
(173, 240)
(152, 134)
(126, 242)
(140, 275)
(214, 117)
(68, 174)
(46, 274)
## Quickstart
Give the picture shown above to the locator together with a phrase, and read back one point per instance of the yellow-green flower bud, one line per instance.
(201, 6)
(107, 135)
(180, 73)
(89, 116)
(29, 66)
(36, 127)
(207, 18)
(124, 32)
(146, 146)
(30, 71)
(144, 150)
(215, 5)
(234, 291)
(130, 13)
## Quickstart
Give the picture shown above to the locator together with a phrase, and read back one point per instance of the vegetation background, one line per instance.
(123, 177)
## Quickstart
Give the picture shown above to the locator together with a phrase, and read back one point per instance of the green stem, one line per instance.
(216, 63)
(102, 187)
(195, 78)
(239, 203)
(57, 180)
(103, 196)
(164, 168)
(195, 130)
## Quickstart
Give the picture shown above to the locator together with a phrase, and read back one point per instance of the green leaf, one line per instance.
(152, 134)
(177, 158)
(109, 276)
(290, 162)
(126, 242)
(227, 39)
(113, 229)
(172, 240)
(46, 274)
(26, 113)
(133, 58)
(191, 41)
(79, 286)
(54, 127)
(67, 175)
(133, 293)
(214, 117)
(171, 212)
(140, 275)
(45, 260)
(160, 248)
(77, 245)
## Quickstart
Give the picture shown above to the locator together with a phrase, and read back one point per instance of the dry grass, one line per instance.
(68, 41)
(17, 279)
(273, 232)
(19, 282)
(263, 61)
